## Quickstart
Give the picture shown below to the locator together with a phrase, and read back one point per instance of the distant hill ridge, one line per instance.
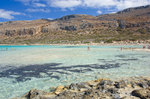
(70, 28)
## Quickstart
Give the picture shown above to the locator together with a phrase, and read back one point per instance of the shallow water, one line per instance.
(25, 67)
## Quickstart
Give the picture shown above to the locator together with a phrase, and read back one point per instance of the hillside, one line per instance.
(131, 24)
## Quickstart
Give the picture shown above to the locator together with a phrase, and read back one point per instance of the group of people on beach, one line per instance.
(144, 47)
(6, 49)
(148, 47)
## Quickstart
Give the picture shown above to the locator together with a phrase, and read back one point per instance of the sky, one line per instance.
(11, 10)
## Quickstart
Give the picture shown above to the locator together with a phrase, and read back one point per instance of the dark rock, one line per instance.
(30, 31)
(133, 85)
(121, 84)
(92, 93)
(105, 82)
(69, 28)
(73, 87)
(143, 84)
(104, 85)
(44, 30)
(69, 95)
(86, 25)
(68, 17)
(148, 83)
(10, 32)
(35, 94)
(78, 86)
(112, 90)
(122, 24)
(142, 93)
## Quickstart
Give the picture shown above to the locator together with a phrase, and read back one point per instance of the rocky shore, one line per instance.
(132, 88)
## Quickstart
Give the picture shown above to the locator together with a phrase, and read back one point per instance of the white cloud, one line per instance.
(99, 3)
(119, 4)
(39, 5)
(50, 18)
(26, 2)
(123, 4)
(99, 12)
(30, 2)
(65, 3)
(8, 14)
(38, 10)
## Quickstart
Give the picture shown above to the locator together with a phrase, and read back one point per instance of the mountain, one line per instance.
(128, 25)
(131, 17)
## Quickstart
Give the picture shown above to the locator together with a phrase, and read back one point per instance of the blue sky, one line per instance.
(11, 10)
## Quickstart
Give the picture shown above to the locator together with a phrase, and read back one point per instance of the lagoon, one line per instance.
(25, 67)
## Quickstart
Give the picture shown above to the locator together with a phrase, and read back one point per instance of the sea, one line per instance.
(26, 67)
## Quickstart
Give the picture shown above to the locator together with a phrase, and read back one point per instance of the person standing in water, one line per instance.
(88, 48)
(148, 47)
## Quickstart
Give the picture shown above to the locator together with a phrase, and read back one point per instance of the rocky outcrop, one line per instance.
(69, 28)
(68, 17)
(19, 32)
(44, 30)
(30, 31)
(122, 24)
(132, 88)
(133, 9)
(35, 94)
(86, 25)
(75, 16)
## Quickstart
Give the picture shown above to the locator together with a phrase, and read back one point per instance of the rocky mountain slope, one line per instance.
(131, 24)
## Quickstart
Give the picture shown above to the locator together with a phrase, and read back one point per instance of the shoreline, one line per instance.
(146, 50)
(93, 44)
(82, 44)
(128, 88)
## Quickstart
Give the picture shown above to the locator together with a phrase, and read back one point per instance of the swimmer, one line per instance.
(121, 48)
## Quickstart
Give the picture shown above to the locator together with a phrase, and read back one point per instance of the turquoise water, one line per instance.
(25, 67)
